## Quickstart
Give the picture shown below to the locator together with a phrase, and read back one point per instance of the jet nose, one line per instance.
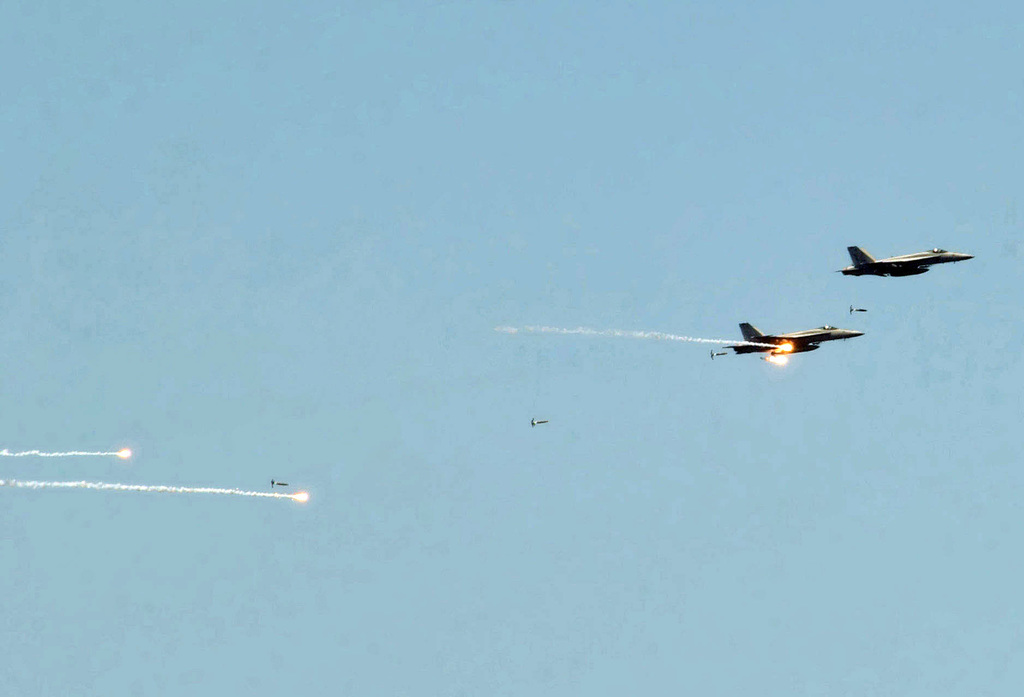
(965, 257)
(853, 333)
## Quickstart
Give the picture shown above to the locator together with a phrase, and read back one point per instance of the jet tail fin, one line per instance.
(859, 256)
(750, 332)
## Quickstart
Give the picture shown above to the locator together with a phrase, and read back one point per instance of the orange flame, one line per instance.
(124, 453)
(786, 347)
(776, 359)
(301, 497)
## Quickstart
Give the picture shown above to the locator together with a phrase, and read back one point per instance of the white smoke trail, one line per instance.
(124, 453)
(301, 496)
(659, 336)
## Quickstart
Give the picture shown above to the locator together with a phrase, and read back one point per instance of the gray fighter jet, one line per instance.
(794, 342)
(856, 309)
(534, 422)
(906, 265)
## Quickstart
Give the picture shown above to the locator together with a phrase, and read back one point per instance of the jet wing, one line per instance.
(905, 268)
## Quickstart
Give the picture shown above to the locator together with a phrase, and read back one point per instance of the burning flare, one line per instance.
(301, 497)
(777, 359)
(124, 453)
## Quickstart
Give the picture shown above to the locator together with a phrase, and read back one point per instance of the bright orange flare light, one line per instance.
(301, 497)
(124, 453)
(776, 359)
(786, 347)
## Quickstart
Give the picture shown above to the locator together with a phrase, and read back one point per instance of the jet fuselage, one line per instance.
(793, 342)
(905, 265)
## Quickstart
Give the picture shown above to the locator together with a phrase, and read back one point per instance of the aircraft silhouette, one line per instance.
(904, 265)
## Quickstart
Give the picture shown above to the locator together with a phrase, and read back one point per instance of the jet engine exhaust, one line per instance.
(627, 334)
(301, 497)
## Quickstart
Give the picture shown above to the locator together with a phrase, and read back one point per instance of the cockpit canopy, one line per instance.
(828, 326)
(936, 250)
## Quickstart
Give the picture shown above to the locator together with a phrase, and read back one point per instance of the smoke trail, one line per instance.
(659, 336)
(301, 496)
(123, 453)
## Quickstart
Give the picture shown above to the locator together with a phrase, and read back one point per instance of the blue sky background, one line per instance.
(255, 241)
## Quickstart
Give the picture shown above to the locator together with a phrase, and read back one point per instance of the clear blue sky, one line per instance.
(268, 241)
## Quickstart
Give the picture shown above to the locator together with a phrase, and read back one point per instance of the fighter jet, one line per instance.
(906, 265)
(856, 309)
(718, 353)
(794, 342)
(534, 422)
(273, 483)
